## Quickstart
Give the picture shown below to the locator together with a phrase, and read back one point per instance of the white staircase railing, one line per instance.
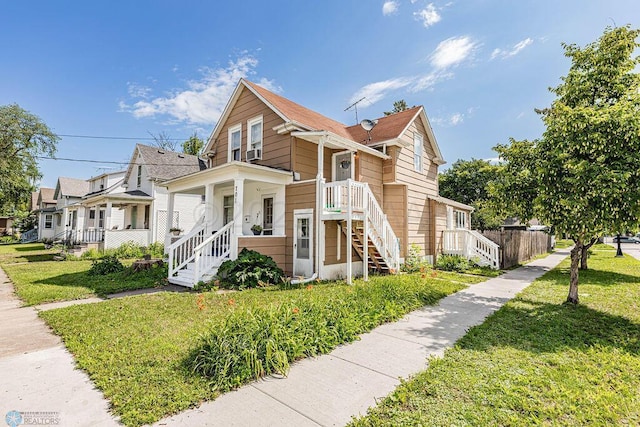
(29, 236)
(210, 252)
(471, 244)
(335, 199)
(181, 252)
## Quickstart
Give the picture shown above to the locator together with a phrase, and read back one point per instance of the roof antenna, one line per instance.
(368, 125)
(355, 106)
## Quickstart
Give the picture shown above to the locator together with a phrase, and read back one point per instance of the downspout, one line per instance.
(319, 189)
(305, 280)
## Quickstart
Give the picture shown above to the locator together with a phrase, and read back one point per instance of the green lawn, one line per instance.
(137, 350)
(28, 252)
(49, 281)
(537, 361)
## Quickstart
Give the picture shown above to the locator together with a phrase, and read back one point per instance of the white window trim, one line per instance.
(250, 123)
(418, 138)
(232, 130)
(48, 218)
(273, 219)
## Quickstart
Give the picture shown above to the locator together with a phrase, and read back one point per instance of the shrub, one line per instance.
(413, 261)
(452, 263)
(9, 239)
(107, 265)
(156, 250)
(256, 340)
(248, 271)
(91, 254)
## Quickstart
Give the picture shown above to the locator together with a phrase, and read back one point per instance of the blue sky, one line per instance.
(125, 69)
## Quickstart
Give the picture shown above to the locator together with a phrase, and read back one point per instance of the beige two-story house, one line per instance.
(329, 200)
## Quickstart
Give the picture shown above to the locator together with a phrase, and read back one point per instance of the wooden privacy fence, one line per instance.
(517, 246)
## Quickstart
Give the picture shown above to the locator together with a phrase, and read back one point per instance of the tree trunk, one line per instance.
(585, 254)
(576, 255)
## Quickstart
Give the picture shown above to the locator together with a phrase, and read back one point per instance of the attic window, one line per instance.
(417, 152)
(139, 180)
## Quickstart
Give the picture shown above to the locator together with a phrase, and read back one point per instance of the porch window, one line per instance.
(267, 216)
(235, 138)
(227, 209)
(101, 219)
(461, 219)
(92, 214)
(254, 142)
(417, 152)
(48, 221)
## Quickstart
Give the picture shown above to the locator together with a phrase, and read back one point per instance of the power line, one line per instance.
(119, 137)
(66, 159)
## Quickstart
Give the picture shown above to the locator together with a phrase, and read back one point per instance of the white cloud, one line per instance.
(516, 49)
(204, 99)
(138, 91)
(452, 51)
(374, 92)
(428, 16)
(429, 80)
(452, 120)
(389, 7)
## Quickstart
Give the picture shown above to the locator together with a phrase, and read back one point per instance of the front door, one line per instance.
(303, 242)
(342, 166)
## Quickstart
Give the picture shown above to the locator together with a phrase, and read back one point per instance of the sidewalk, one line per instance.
(330, 389)
(38, 374)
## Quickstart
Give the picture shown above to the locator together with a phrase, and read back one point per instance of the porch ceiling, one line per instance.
(334, 141)
(119, 199)
(227, 173)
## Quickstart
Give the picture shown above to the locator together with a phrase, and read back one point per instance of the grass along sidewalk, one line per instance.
(537, 361)
(52, 281)
(138, 350)
(27, 252)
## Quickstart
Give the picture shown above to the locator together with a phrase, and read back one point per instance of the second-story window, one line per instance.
(139, 181)
(235, 139)
(254, 141)
(417, 152)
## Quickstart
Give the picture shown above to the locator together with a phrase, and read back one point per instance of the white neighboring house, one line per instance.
(131, 206)
(44, 209)
(67, 194)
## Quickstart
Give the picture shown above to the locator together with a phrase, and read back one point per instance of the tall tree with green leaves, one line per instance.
(588, 158)
(466, 181)
(193, 145)
(23, 138)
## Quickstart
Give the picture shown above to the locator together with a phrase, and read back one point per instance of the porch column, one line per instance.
(208, 206)
(107, 215)
(238, 206)
(80, 223)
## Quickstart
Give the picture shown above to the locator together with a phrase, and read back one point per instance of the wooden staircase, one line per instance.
(375, 260)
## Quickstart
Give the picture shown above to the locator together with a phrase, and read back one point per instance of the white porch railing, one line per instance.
(181, 251)
(335, 199)
(88, 236)
(471, 244)
(212, 251)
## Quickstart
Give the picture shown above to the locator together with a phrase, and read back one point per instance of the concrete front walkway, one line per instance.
(330, 389)
(37, 373)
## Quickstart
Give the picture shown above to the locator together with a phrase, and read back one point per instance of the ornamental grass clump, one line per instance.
(256, 340)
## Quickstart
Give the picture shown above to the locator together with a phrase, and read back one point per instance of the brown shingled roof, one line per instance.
(388, 127)
(298, 113)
